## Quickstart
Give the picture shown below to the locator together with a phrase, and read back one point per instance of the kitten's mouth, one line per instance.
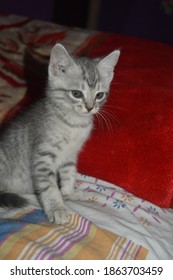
(91, 112)
(86, 111)
(85, 114)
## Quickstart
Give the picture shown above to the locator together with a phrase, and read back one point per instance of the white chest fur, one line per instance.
(74, 138)
(65, 142)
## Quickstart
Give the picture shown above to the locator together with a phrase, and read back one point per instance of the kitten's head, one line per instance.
(80, 84)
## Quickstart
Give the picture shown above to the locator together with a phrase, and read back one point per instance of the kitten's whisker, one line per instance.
(111, 115)
(106, 121)
(116, 107)
(100, 122)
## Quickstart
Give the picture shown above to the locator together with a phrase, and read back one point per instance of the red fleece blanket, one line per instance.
(137, 153)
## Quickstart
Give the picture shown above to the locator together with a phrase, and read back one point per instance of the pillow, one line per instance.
(134, 149)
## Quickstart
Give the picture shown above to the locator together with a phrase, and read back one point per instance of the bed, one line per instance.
(125, 170)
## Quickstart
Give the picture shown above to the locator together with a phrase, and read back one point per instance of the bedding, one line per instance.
(125, 212)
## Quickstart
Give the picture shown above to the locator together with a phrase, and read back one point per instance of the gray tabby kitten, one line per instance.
(38, 150)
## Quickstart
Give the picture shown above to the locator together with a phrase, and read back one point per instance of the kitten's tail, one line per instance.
(12, 200)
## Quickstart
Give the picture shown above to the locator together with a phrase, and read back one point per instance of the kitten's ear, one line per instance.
(107, 64)
(60, 60)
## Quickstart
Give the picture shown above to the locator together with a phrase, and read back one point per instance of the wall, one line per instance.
(38, 9)
(152, 19)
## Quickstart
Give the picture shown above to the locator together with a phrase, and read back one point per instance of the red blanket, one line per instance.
(137, 153)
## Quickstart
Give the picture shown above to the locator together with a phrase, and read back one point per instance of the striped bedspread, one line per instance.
(28, 235)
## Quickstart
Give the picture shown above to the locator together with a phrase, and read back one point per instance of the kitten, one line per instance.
(42, 144)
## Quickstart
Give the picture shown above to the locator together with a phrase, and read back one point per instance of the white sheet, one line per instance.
(113, 208)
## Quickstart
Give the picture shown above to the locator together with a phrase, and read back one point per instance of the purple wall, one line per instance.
(152, 19)
(37, 9)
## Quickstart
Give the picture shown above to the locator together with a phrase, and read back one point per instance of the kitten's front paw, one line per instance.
(59, 216)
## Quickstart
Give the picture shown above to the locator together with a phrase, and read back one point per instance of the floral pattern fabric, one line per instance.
(115, 209)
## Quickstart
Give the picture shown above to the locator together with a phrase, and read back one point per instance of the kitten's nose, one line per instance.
(89, 108)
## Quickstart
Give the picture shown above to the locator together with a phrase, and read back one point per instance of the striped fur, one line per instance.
(45, 140)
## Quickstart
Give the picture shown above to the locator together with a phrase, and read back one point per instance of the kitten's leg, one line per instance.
(49, 196)
(67, 175)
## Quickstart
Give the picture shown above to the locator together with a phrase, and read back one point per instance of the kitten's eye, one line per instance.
(100, 95)
(77, 93)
